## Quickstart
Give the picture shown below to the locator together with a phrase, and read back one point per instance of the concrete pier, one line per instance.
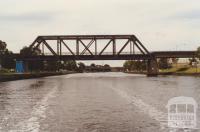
(152, 68)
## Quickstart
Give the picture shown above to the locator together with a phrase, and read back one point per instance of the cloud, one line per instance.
(159, 24)
(30, 16)
(191, 14)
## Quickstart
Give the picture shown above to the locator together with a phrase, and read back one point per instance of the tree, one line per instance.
(143, 65)
(5, 60)
(27, 51)
(135, 65)
(128, 65)
(198, 52)
(192, 61)
(51, 65)
(175, 61)
(106, 68)
(81, 66)
(70, 65)
(93, 65)
(164, 63)
(33, 65)
(3, 46)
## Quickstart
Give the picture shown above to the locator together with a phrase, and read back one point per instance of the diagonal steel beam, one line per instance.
(34, 42)
(67, 47)
(88, 46)
(85, 46)
(37, 44)
(140, 43)
(123, 47)
(47, 45)
(138, 47)
(42, 48)
(105, 47)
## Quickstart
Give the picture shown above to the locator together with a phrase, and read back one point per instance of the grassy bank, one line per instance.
(180, 69)
(187, 70)
(15, 76)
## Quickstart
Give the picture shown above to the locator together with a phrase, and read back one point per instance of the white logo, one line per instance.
(182, 113)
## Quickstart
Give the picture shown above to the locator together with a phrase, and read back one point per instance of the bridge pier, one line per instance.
(152, 68)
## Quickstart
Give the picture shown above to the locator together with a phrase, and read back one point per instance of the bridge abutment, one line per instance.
(152, 68)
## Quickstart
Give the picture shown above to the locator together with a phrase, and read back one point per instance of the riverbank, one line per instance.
(180, 71)
(4, 77)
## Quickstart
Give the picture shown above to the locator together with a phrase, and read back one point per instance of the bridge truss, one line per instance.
(131, 42)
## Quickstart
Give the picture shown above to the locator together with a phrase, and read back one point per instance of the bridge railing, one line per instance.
(105, 53)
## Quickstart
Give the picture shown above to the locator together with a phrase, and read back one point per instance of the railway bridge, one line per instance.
(96, 47)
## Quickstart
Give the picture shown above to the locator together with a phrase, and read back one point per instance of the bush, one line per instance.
(4, 71)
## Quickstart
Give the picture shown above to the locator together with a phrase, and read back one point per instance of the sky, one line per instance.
(159, 24)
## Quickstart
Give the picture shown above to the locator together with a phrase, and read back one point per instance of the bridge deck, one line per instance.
(174, 54)
(158, 54)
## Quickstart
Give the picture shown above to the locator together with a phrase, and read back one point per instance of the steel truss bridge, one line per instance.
(111, 42)
(136, 50)
(65, 52)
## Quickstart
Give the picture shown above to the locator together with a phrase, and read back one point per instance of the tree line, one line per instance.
(5, 60)
(9, 63)
(56, 65)
(141, 65)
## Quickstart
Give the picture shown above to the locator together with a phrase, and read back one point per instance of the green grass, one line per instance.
(168, 70)
(192, 70)
(4, 71)
(185, 70)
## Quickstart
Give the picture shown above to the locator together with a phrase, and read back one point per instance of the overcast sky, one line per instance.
(159, 24)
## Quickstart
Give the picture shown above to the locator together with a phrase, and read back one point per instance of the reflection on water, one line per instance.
(92, 102)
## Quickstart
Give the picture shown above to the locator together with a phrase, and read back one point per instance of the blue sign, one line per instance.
(19, 66)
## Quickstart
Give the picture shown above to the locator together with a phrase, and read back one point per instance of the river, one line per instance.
(92, 102)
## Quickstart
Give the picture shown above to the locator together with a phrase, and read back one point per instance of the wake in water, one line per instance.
(32, 124)
(145, 108)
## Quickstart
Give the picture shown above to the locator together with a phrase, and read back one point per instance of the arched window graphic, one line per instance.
(182, 113)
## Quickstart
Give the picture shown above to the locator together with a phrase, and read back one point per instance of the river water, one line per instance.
(92, 102)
